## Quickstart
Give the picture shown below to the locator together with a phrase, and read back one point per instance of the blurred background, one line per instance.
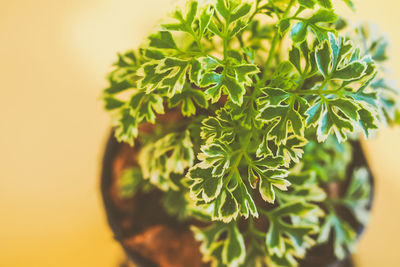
(53, 59)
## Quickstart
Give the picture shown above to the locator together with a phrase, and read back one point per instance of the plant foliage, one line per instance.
(266, 108)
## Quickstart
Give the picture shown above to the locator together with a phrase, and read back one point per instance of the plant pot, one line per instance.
(150, 237)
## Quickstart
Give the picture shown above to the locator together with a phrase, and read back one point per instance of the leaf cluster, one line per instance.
(266, 109)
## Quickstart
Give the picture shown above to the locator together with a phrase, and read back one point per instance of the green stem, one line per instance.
(338, 201)
(198, 42)
(315, 92)
(255, 11)
(225, 36)
(264, 212)
(329, 206)
(271, 53)
(323, 84)
(248, 159)
(233, 169)
(274, 42)
(258, 233)
(235, 166)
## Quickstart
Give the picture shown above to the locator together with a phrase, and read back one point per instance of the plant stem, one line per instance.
(225, 36)
(323, 84)
(255, 11)
(266, 213)
(242, 152)
(274, 42)
(271, 53)
(233, 169)
(314, 92)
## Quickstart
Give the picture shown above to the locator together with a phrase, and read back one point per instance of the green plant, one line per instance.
(270, 93)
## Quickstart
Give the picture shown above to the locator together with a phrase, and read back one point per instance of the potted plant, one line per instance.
(239, 124)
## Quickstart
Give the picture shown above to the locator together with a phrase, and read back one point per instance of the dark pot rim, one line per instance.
(111, 151)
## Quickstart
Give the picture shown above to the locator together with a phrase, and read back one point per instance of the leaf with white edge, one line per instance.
(231, 84)
(217, 83)
(245, 115)
(240, 12)
(233, 201)
(307, 3)
(226, 207)
(299, 32)
(174, 71)
(368, 122)
(124, 75)
(145, 106)
(333, 115)
(272, 96)
(125, 126)
(217, 155)
(215, 29)
(173, 153)
(244, 73)
(221, 243)
(234, 249)
(269, 179)
(323, 15)
(222, 9)
(352, 71)
(150, 80)
(329, 160)
(162, 40)
(294, 58)
(219, 128)
(284, 77)
(243, 198)
(299, 234)
(344, 237)
(195, 22)
(209, 63)
(304, 186)
(205, 18)
(283, 26)
(292, 150)
(265, 172)
(284, 118)
(338, 60)
(263, 148)
(387, 99)
(185, 22)
(366, 97)
(234, 15)
(358, 195)
(325, 3)
(203, 185)
(232, 11)
(191, 12)
(350, 4)
(116, 87)
(187, 99)
(323, 58)
(151, 54)
(112, 103)
(169, 74)
(286, 260)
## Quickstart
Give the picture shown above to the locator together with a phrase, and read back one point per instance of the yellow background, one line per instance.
(54, 55)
